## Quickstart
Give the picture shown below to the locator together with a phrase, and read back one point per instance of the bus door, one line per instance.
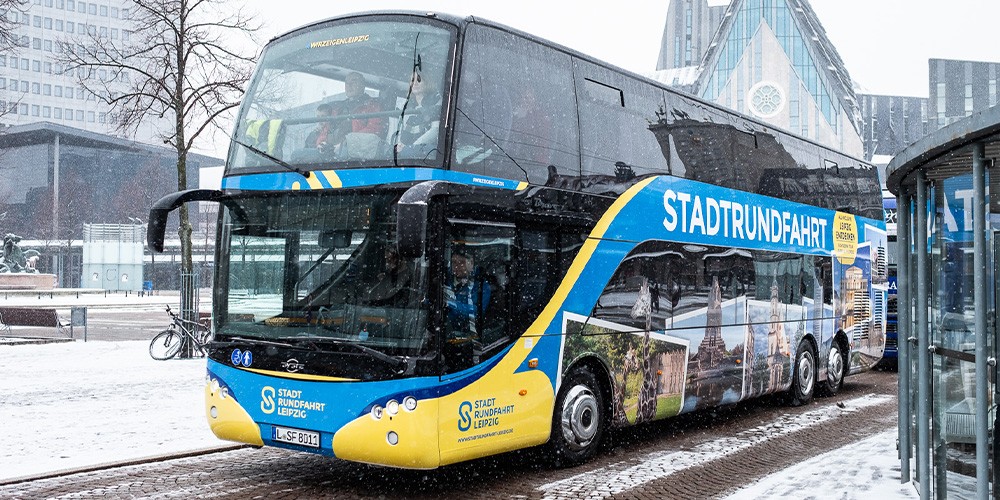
(498, 405)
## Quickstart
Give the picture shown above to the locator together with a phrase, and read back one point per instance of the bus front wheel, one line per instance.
(579, 419)
(803, 375)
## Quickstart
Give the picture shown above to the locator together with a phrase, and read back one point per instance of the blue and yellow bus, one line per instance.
(441, 238)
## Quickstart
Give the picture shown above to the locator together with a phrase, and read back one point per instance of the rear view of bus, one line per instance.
(442, 239)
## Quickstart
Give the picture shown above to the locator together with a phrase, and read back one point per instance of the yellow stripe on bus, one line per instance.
(582, 258)
(314, 182)
(332, 179)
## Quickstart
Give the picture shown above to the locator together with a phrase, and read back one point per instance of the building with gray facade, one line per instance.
(36, 86)
(889, 123)
(55, 179)
(956, 89)
(690, 27)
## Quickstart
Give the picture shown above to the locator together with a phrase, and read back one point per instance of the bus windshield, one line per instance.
(344, 95)
(321, 270)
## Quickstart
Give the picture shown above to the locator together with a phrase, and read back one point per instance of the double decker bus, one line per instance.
(441, 238)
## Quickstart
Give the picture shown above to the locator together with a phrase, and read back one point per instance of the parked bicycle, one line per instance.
(168, 343)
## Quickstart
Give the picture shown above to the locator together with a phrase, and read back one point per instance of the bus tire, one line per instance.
(579, 418)
(803, 375)
(836, 370)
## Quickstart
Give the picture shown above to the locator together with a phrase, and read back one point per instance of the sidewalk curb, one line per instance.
(31, 340)
(123, 463)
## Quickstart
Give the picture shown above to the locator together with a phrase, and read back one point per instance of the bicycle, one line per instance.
(168, 343)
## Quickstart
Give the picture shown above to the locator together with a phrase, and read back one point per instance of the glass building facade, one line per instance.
(55, 179)
(948, 211)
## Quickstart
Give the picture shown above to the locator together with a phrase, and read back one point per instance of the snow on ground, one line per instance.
(77, 404)
(863, 470)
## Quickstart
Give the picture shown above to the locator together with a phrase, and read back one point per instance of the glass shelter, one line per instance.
(948, 199)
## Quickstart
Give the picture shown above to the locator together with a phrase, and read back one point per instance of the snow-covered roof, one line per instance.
(677, 77)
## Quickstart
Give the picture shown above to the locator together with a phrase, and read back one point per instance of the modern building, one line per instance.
(889, 123)
(955, 89)
(772, 59)
(959, 88)
(948, 188)
(767, 58)
(56, 179)
(691, 26)
(35, 86)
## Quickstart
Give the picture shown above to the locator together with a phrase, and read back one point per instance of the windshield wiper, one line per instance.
(235, 340)
(277, 161)
(314, 340)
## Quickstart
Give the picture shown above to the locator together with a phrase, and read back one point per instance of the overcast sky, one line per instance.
(884, 43)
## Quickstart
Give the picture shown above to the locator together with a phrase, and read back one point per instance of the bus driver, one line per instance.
(466, 296)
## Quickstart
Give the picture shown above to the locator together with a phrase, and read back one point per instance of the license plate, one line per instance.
(295, 436)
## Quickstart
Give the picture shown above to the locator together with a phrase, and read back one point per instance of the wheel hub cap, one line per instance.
(806, 374)
(580, 417)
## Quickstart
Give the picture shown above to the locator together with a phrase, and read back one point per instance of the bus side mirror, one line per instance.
(411, 230)
(157, 224)
(412, 213)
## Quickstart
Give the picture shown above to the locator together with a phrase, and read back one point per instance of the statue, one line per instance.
(15, 260)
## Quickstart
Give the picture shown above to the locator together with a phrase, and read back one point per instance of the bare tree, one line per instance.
(184, 62)
(10, 11)
(8, 23)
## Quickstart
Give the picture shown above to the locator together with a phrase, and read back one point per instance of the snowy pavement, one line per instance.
(76, 404)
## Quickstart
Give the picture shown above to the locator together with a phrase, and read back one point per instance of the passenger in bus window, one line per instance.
(467, 295)
(360, 132)
(318, 137)
(418, 133)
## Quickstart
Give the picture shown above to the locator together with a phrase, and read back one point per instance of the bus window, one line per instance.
(535, 274)
(478, 258)
(516, 109)
(615, 117)
(346, 95)
(676, 278)
(256, 268)
(733, 268)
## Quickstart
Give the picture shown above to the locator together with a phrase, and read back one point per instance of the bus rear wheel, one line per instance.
(803, 375)
(836, 370)
(579, 418)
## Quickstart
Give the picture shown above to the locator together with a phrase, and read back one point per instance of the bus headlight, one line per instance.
(410, 403)
(377, 412)
(392, 438)
(392, 407)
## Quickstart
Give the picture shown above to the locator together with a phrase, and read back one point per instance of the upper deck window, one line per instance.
(516, 112)
(346, 94)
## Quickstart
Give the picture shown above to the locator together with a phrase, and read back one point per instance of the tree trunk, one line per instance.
(188, 287)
